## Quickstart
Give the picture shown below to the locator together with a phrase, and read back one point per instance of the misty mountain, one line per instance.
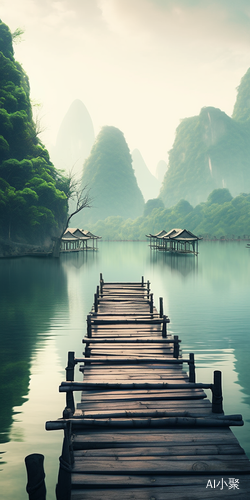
(161, 169)
(241, 112)
(210, 151)
(109, 176)
(147, 182)
(33, 200)
(75, 139)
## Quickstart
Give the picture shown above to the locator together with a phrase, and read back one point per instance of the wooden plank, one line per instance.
(157, 414)
(141, 438)
(169, 466)
(161, 493)
(148, 340)
(157, 451)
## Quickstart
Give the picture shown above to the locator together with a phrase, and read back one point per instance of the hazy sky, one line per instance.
(139, 65)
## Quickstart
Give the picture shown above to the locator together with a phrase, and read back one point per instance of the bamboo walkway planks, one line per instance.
(144, 429)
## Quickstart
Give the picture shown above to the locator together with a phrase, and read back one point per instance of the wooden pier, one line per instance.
(144, 429)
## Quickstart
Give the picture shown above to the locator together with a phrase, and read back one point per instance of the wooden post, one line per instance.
(142, 281)
(217, 393)
(70, 369)
(148, 289)
(164, 326)
(96, 303)
(36, 485)
(101, 284)
(151, 303)
(89, 332)
(63, 487)
(97, 291)
(176, 347)
(161, 306)
(191, 368)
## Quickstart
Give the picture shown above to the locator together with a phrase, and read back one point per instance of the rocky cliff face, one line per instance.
(210, 151)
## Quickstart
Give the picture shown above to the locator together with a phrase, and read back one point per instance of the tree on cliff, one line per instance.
(110, 178)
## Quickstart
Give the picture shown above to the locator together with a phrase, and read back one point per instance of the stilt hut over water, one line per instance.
(75, 240)
(176, 240)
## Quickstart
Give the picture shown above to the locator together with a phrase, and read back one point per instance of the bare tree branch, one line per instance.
(82, 201)
(80, 195)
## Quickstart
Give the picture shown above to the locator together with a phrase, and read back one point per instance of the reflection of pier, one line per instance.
(144, 428)
(178, 241)
(76, 240)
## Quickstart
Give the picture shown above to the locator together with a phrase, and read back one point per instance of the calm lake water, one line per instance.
(43, 309)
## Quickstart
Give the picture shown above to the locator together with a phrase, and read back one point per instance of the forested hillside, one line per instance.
(221, 216)
(109, 176)
(33, 194)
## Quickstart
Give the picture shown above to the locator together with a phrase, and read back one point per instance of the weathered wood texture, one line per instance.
(144, 429)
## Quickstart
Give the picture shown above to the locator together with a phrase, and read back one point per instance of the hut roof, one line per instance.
(175, 234)
(74, 234)
(182, 235)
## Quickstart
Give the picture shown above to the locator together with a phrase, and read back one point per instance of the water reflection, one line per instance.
(184, 264)
(30, 293)
(78, 259)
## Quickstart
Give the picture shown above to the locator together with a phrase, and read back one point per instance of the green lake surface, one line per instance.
(43, 309)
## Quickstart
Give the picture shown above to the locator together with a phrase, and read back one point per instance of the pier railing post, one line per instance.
(96, 303)
(142, 281)
(63, 487)
(191, 368)
(89, 329)
(35, 488)
(148, 289)
(70, 369)
(217, 398)
(176, 347)
(151, 303)
(161, 306)
(164, 326)
(101, 285)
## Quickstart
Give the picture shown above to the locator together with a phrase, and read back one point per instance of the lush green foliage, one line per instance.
(109, 176)
(33, 200)
(221, 216)
(211, 151)
(151, 204)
